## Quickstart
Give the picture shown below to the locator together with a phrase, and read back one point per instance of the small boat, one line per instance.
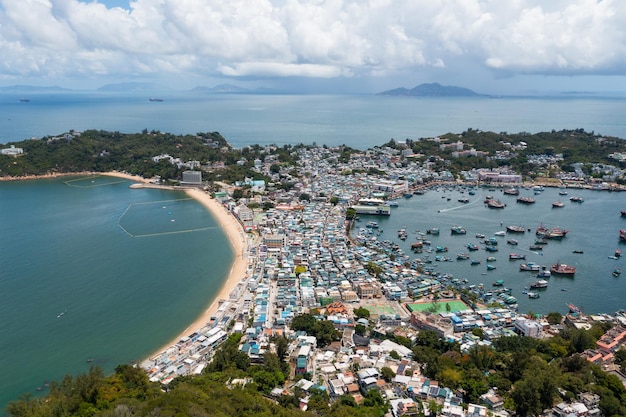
(393, 204)
(544, 273)
(372, 225)
(490, 267)
(617, 272)
(515, 229)
(558, 204)
(155, 99)
(623, 213)
(490, 248)
(576, 199)
(535, 247)
(562, 192)
(525, 200)
(433, 231)
(533, 294)
(579, 251)
(462, 256)
(618, 253)
(475, 262)
(440, 249)
(530, 266)
(472, 246)
(407, 195)
(573, 308)
(500, 233)
(491, 259)
(458, 230)
(511, 191)
(498, 283)
(540, 283)
(622, 235)
(513, 242)
(480, 236)
(495, 204)
(516, 256)
(464, 200)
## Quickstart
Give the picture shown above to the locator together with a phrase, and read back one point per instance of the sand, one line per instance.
(235, 233)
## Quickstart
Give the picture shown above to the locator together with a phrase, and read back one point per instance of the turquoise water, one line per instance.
(593, 227)
(92, 269)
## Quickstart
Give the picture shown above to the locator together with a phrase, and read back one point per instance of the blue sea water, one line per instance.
(95, 270)
(360, 121)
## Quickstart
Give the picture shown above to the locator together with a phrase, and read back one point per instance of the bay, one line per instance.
(593, 228)
(95, 273)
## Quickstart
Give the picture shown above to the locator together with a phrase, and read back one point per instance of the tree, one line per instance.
(361, 313)
(334, 200)
(554, 317)
(274, 168)
(387, 373)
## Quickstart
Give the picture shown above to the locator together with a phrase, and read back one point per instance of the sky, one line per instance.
(360, 46)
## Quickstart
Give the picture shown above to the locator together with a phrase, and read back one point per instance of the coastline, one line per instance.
(237, 238)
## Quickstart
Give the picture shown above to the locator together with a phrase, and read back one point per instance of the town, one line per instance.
(305, 257)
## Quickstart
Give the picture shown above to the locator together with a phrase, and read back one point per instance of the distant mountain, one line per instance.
(33, 89)
(131, 87)
(432, 90)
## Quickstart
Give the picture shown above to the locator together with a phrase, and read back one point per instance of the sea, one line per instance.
(95, 273)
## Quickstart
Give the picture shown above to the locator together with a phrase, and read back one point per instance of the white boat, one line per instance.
(500, 233)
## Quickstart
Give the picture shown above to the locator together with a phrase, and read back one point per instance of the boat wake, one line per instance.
(458, 207)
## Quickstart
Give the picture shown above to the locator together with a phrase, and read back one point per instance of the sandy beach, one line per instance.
(235, 233)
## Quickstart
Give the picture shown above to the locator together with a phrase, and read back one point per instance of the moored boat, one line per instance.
(576, 199)
(515, 229)
(526, 200)
(433, 231)
(511, 191)
(515, 256)
(622, 235)
(472, 246)
(513, 242)
(544, 273)
(475, 262)
(558, 204)
(500, 233)
(462, 256)
(551, 232)
(458, 230)
(498, 283)
(617, 272)
(530, 266)
(540, 283)
(533, 294)
(495, 204)
(562, 269)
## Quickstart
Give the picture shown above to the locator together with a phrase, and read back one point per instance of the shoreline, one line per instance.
(237, 239)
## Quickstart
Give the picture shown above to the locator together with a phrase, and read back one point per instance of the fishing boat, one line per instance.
(511, 191)
(515, 229)
(540, 283)
(433, 231)
(495, 204)
(492, 241)
(513, 242)
(562, 269)
(458, 230)
(617, 272)
(551, 232)
(544, 273)
(576, 199)
(573, 308)
(516, 256)
(558, 204)
(530, 266)
(525, 200)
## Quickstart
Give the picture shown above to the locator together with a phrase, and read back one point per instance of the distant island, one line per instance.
(432, 90)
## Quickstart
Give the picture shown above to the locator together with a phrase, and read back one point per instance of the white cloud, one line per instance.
(310, 38)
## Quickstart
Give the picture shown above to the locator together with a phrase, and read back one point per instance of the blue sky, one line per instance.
(490, 46)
